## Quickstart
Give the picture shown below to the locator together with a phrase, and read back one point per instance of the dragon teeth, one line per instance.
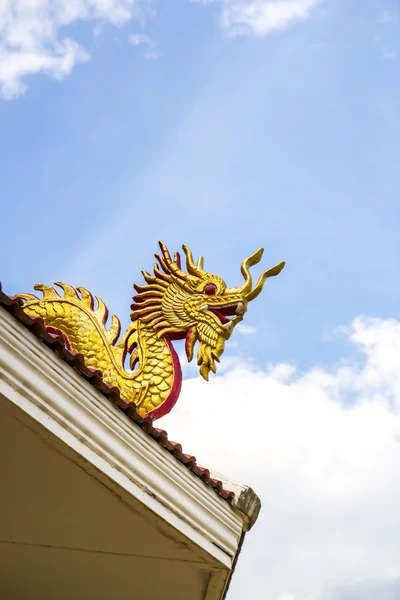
(240, 308)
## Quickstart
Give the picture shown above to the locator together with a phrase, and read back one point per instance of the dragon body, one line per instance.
(195, 305)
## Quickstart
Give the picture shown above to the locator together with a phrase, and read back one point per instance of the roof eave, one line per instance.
(36, 380)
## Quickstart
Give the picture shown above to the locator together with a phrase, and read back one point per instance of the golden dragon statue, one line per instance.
(173, 304)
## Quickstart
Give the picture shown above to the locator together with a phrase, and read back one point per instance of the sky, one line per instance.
(230, 125)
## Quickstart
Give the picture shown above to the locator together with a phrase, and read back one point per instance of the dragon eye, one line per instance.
(210, 289)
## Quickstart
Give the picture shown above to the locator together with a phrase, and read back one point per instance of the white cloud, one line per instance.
(245, 329)
(32, 40)
(281, 371)
(322, 449)
(140, 39)
(260, 17)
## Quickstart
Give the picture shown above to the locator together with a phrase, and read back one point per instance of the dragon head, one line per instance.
(195, 305)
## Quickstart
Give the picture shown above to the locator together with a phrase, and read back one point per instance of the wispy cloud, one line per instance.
(149, 46)
(387, 17)
(260, 17)
(31, 41)
(245, 329)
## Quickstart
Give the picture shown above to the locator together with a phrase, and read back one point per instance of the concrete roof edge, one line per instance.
(245, 500)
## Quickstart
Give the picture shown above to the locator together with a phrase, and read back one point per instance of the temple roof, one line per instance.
(76, 361)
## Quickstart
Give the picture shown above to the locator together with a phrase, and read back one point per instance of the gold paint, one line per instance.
(172, 302)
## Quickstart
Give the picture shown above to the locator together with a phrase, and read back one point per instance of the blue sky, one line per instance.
(287, 141)
(215, 125)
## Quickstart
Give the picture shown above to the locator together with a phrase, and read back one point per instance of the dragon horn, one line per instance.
(252, 260)
(172, 265)
(261, 280)
(248, 262)
(196, 270)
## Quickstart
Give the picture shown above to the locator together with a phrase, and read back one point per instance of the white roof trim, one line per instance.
(35, 379)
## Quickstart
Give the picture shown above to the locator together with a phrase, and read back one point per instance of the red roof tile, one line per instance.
(56, 343)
